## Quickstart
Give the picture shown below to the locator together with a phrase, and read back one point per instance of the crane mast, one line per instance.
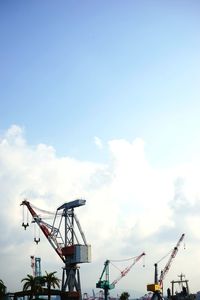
(67, 245)
(36, 266)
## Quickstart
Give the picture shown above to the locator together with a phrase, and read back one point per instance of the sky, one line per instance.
(100, 101)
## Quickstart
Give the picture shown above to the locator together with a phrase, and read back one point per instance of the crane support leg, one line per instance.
(106, 294)
(71, 280)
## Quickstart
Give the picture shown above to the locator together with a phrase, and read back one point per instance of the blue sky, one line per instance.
(100, 100)
(77, 69)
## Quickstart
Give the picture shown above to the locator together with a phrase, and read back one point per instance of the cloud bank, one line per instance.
(131, 207)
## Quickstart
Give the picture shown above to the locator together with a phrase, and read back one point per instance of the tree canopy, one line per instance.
(2, 288)
(124, 296)
(51, 280)
(32, 283)
(36, 284)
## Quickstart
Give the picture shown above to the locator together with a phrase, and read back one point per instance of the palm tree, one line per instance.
(124, 296)
(51, 281)
(32, 283)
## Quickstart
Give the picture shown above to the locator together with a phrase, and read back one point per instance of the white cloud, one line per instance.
(98, 142)
(131, 207)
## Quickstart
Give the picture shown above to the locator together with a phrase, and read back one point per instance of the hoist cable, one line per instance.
(23, 214)
(164, 256)
(46, 211)
(122, 260)
(115, 266)
(27, 215)
(126, 259)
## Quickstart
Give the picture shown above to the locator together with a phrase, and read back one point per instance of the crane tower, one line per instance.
(36, 266)
(65, 241)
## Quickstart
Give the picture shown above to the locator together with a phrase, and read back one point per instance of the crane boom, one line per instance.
(127, 269)
(49, 231)
(172, 256)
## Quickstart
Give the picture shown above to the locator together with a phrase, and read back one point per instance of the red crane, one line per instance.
(157, 287)
(50, 232)
(67, 244)
(127, 269)
(168, 265)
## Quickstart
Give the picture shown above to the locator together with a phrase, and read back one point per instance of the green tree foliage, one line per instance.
(124, 296)
(33, 284)
(2, 288)
(51, 281)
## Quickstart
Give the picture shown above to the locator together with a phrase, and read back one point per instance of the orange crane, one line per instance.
(157, 287)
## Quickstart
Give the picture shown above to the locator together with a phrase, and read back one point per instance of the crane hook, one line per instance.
(25, 225)
(36, 240)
